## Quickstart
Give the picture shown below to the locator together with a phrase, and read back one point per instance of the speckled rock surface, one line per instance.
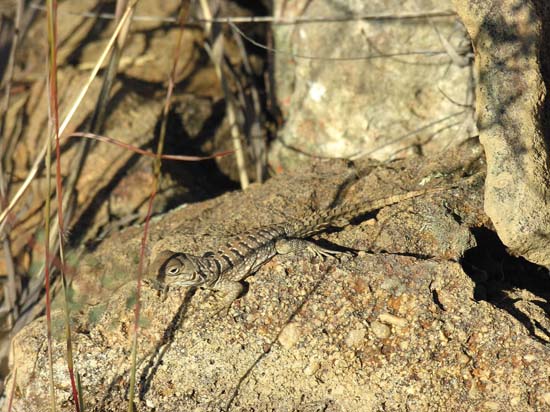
(397, 327)
(510, 39)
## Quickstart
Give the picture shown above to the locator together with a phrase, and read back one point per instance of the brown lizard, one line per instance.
(225, 269)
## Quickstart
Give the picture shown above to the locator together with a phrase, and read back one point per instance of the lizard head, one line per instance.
(181, 269)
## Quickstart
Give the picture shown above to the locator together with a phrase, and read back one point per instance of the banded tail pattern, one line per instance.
(341, 215)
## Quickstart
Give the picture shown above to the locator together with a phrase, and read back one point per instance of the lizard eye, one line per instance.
(173, 270)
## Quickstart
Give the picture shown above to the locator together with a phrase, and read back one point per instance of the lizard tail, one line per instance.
(341, 215)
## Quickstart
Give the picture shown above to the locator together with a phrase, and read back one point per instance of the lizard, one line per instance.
(225, 269)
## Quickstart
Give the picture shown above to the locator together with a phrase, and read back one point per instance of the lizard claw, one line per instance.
(161, 288)
(322, 252)
(154, 284)
(221, 302)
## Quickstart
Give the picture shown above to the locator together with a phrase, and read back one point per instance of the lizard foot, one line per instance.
(322, 252)
(285, 246)
(225, 294)
(159, 287)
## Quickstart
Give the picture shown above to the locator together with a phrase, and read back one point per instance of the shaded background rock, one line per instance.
(384, 107)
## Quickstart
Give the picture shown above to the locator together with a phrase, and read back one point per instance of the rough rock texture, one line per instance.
(386, 107)
(510, 39)
(395, 328)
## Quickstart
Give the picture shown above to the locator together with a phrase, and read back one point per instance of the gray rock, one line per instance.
(382, 107)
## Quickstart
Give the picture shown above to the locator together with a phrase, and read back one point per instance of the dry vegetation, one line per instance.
(78, 133)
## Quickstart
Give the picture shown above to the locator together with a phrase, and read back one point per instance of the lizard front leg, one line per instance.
(227, 291)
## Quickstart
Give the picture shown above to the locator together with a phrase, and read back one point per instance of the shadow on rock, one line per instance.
(500, 279)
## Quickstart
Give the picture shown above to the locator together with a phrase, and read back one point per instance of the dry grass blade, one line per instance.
(255, 132)
(182, 17)
(135, 149)
(54, 121)
(52, 110)
(280, 20)
(133, 356)
(79, 387)
(207, 17)
(12, 392)
(216, 55)
(406, 135)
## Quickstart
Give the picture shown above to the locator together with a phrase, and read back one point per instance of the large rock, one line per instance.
(397, 329)
(510, 39)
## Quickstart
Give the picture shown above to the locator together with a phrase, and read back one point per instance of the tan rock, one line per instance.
(192, 359)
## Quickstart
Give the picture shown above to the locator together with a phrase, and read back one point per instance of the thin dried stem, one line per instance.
(335, 59)
(12, 391)
(406, 135)
(217, 58)
(135, 149)
(182, 17)
(279, 20)
(207, 17)
(54, 121)
(52, 103)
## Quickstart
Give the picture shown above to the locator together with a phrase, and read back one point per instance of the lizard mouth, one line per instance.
(196, 279)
